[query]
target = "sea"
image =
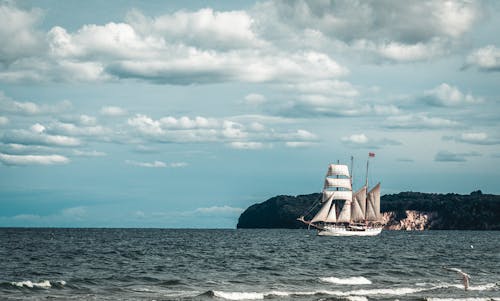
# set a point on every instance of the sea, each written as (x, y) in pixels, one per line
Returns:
(245, 264)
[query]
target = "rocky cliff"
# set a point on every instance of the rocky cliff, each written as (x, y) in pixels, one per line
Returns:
(414, 220)
(402, 211)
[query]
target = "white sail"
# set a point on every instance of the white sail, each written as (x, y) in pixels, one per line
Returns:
(338, 170)
(332, 215)
(370, 212)
(374, 196)
(337, 183)
(373, 204)
(360, 198)
(327, 196)
(345, 214)
(322, 213)
(337, 195)
(358, 205)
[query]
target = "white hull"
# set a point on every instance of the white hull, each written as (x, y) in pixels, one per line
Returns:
(346, 231)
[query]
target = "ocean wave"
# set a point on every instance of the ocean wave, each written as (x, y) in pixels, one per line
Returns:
(354, 295)
(347, 281)
(387, 291)
(42, 284)
(461, 299)
(480, 287)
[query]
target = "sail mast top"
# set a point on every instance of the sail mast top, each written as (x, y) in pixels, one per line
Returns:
(352, 169)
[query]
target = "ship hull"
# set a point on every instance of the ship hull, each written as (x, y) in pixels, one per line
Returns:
(348, 231)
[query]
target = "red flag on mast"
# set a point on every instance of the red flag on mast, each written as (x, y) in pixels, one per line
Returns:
(370, 154)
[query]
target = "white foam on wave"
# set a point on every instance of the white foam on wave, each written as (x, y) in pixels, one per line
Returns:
(460, 299)
(348, 281)
(239, 295)
(481, 287)
(356, 298)
(27, 283)
(42, 284)
(263, 295)
(387, 291)
(354, 295)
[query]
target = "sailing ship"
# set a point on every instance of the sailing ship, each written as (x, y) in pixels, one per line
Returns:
(344, 213)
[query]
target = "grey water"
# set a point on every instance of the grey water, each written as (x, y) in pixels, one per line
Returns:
(165, 264)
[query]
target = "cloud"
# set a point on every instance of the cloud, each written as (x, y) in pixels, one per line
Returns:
(155, 164)
(446, 156)
(32, 159)
(249, 132)
(220, 210)
(92, 153)
(74, 212)
(4, 120)
(402, 52)
(362, 141)
(356, 139)
(479, 138)
(187, 123)
(485, 59)
(112, 111)
(446, 95)
(341, 102)
(9, 105)
(37, 136)
(146, 125)
(189, 66)
(401, 32)
(246, 145)
(418, 121)
(18, 28)
(21, 149)
(299, 144)
(233, 130)
(178, 164)
(254, 99)
(179, 48)
(325, 87)
(63, 218)
(204, 28)
(78, 130)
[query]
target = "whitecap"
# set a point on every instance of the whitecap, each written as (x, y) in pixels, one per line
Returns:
(238, 295)
(387, 291)
(481, 287)
(459, 299)
(347, 281)
(27, 283)
(356, 298)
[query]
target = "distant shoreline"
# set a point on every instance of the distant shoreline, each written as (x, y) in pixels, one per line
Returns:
(401, 211)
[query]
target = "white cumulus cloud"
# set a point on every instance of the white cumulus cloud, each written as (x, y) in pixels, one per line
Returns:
(485, 59)
(32, 159)
(356, 139)
(447, 95)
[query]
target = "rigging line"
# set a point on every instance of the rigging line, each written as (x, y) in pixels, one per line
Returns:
(313, 207)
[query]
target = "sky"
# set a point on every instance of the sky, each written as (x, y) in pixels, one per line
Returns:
(181, 114)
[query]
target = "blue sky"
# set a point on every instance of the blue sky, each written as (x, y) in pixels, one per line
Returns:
(182, 114)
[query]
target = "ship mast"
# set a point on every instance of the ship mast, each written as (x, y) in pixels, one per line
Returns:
(352, 169)
(366, 179)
